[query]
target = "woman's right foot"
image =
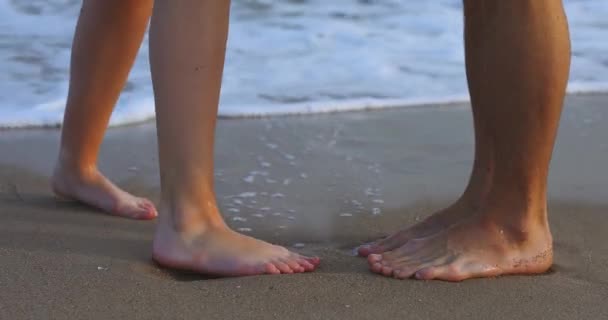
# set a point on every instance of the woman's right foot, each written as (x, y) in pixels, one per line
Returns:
(219, 251)
(92, 188)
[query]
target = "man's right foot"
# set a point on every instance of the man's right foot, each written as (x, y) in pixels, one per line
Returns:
(437, 222)
(92, 188)
(219, 251)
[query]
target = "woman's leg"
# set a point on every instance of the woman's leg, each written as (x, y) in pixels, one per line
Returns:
(187, 43)
(107, 39)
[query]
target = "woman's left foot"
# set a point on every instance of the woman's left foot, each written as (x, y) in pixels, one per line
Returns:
(94, 189)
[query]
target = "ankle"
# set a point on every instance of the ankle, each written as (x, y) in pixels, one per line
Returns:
(76, 166)
(191, 218)
(518, 225)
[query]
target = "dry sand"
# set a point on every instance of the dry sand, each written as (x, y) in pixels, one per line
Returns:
(323, 184)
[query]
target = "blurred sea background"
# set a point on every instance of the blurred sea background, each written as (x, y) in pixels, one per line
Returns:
(286, 56)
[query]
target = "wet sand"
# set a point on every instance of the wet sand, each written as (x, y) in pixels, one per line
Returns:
(319, 184)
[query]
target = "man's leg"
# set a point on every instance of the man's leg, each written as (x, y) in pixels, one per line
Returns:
(187, 47)
(518, 59)
(107, 39)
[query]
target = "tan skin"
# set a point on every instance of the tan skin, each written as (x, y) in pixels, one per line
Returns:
(517, 67)
(102, 55)
(186, 73)
(518, 59)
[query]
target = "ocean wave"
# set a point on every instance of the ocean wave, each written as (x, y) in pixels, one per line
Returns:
(286, 57)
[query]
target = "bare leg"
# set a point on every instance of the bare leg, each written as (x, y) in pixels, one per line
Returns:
(518, 60)
(467, 205)
(108, 35)
(187, 42)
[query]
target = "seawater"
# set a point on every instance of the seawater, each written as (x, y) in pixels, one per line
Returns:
(290, 56)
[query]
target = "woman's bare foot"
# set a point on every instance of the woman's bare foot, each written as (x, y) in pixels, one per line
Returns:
(435, 223)
(92, 188)
(476, 247)
(217, 250)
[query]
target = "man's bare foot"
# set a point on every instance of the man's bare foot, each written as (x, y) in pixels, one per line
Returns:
(92, 188)
(219, 251)
(435, 223)
(476, 247)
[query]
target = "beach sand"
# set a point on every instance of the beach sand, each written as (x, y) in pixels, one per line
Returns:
(323, 185)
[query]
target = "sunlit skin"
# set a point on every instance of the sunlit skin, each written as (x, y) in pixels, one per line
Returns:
(186, 73)
(106, 42)
(517, 56)
(518, 60)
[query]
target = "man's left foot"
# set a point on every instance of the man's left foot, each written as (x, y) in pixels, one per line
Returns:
(475, 247)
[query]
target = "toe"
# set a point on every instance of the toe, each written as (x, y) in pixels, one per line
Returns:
(283, 267)
(367, 249)
(306, 265)
(401, 274)
(146, 210)
(150, 207)
(293, 264)
(376, 267)
(427, 273)
(134, 209)
(374, 258)
(315, 261)
(387, 271)
(272, 269)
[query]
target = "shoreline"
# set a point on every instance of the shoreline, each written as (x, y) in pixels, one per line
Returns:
(366, 105)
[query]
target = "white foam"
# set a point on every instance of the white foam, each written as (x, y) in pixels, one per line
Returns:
(247, 195)
(288, 156)
(286, 57)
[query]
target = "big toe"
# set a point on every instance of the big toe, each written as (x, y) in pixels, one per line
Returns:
(140, 208)
(370, 248)
(149, 208)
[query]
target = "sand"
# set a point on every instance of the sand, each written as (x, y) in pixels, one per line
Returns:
(322, 184)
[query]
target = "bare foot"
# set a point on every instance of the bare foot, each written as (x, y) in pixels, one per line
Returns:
(471, 249)
(222, 252)
(93, 189)
(437, 222)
